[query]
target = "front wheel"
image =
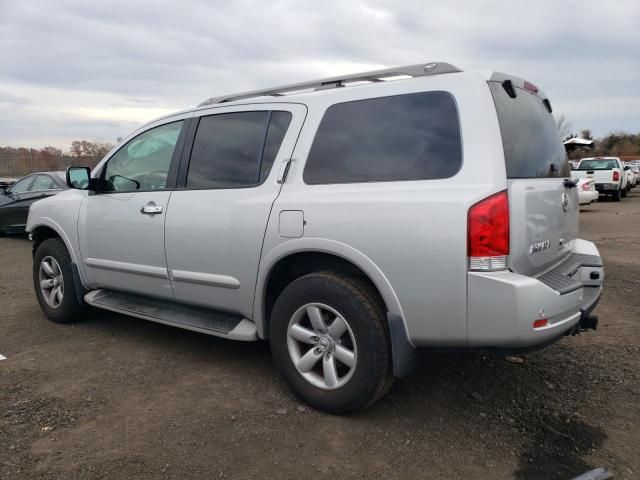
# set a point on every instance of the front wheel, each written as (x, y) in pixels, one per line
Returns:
(53, 282)
(329, 340)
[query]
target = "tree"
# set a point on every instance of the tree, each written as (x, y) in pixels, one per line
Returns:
(564, 126)
(586, 134)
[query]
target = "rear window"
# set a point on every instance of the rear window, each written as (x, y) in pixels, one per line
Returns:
(530, 136)
(404, 137)
(597, 164)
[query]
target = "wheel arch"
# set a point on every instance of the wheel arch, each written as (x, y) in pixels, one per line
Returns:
(336, 255)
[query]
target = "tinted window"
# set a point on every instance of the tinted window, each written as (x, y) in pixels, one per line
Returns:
(234, 150)
(43, 182)
(143, 162)
(278, 126)
(21, 186)
(405, 137)
(530, 136)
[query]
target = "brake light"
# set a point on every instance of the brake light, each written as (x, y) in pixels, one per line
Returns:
(488, 233)
(530, 86)
(616, 176)
(586, 186)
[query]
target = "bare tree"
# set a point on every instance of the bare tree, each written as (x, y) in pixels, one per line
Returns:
(586, 134)
(564, 126)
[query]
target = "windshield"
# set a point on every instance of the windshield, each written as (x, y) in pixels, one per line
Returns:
(530, 136)
(598, 164)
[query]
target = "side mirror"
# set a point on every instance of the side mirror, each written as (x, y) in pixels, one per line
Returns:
(627, 167)
(79, 178)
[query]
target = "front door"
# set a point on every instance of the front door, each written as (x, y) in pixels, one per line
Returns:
(121, 227)
(218, 214)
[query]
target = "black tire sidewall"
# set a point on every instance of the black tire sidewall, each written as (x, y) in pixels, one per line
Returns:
(367, 324)
(69, 309)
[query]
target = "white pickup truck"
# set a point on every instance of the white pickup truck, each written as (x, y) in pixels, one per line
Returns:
(608, 173)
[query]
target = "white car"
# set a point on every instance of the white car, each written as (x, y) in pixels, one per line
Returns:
(608, 173)
(631, 176)
(635, 168)
(587, 192)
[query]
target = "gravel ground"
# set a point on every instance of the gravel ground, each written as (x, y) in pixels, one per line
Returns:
(119, 398)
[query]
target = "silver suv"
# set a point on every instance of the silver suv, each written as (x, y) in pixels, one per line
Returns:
(349, 221)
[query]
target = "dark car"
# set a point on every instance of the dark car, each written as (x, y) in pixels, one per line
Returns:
(15, 202)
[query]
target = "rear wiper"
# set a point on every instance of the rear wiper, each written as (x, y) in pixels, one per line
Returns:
(568, 183)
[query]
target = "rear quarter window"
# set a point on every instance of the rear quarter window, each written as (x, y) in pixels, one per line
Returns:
(403, 137)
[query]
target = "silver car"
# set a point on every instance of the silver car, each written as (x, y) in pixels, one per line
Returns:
(349, 221)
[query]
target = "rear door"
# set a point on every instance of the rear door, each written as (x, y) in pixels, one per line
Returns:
(543, 211)
(217, 216)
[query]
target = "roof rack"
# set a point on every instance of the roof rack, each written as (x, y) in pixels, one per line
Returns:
(419, 70)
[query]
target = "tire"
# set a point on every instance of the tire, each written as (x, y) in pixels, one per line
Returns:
(366, 335)
(615, 196)
(63, 308)
(623, 193)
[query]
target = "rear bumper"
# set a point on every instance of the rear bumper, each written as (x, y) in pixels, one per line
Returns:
(607, 187)
(502, 306)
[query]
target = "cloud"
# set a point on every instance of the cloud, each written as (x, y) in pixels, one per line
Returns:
(123, 60)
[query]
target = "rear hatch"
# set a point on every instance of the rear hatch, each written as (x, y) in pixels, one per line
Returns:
(543, 212)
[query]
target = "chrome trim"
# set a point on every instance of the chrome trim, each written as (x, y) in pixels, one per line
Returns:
(211, 279)
(124, 267)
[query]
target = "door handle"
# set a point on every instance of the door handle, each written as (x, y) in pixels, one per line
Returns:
(151, 209)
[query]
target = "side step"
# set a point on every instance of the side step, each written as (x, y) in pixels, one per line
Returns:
(197, 319)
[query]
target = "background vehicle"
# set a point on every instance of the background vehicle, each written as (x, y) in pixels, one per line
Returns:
(631, 177)
(587, 192)
(635, 169)
(5, 183)
(608, 174)
(17, 198)
(342, 224)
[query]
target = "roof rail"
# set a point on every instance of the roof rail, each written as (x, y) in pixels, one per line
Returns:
(419, 70)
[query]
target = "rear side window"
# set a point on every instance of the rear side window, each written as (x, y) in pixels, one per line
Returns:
(530, 136)
(404, 137)
(235, 150)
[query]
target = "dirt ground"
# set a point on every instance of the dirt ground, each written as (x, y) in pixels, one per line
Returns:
(120, 398)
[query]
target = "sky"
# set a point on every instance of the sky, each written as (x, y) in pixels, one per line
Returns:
(96, 70)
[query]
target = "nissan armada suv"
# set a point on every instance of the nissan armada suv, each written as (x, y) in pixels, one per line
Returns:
(348, 221)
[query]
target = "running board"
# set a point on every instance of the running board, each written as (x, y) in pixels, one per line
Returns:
(197, 319)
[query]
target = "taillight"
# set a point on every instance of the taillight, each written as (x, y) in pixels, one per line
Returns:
(586, 186)
(616, 176)
(488, 233)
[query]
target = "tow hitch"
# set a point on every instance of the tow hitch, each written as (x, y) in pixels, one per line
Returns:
(587, 322)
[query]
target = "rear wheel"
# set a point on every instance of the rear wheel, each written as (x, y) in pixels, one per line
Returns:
(615, 196)
(623, 193)
(329, 341)
(53, 282)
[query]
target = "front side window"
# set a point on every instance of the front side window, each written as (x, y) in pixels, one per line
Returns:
(404, 137)
(43, 182)
(235, 150)
(143, 162)
(21, 186)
